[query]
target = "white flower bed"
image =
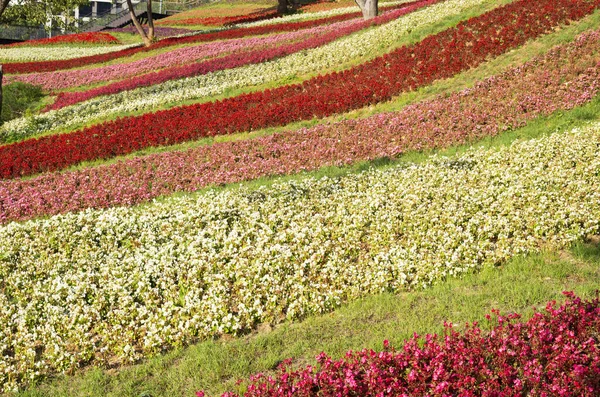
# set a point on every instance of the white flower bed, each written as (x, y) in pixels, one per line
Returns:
(55, 52)
(338, 54)
(123, 283)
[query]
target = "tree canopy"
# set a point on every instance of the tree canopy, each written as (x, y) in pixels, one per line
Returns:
(59, 13)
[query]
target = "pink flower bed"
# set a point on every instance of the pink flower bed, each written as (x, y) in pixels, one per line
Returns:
(568, 76)
(182, 56)
(555, 353)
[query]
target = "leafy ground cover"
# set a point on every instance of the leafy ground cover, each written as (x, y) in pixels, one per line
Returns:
(438, 56)
(564, 78)
(18, 99)
(116, 285)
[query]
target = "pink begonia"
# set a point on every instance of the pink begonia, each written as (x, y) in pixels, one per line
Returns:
(555, 353)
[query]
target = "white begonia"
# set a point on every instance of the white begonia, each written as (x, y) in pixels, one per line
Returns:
(55, 52)
(124, 283)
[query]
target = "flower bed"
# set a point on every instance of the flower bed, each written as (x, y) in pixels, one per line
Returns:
(159, 31)
(78, 38)
(187, 56)
(555, 353)
(313, 38)
(115, 285)
(334, 55)
(566, 77)
(437, 56)
(31, 67)
(56, 53)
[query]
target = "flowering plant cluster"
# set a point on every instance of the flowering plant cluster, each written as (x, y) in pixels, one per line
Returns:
(167, 61)
(46, 66)
(437, 56)
(567, 76)
(77, 38)
(119, 284)
(361, 45)
(555, 353)
(57, 53)
(226, 20)
(159, 31)
(269, 48)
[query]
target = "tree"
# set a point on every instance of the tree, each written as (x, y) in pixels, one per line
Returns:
(148, 37)
(285, 6)
(368, 8)
(50, 13)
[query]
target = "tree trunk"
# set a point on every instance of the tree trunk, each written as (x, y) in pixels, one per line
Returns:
(368, 8)
(3, 5)
(137, 24)
(282, 6)
(150, 22)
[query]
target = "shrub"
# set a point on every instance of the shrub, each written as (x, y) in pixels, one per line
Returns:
(17, 98)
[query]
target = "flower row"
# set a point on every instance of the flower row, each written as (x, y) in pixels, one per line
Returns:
(359, 46)
(227, 20)
(30, 67)
(58, 53)
(114, 285)
(77, 38)
(159, 31)
(555, 353)
(438, 56)
(566, 77)
(181, 56)
(316, 38)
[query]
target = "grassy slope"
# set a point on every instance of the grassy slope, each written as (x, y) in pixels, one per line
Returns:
(216, 365)
(516, 286)
(519, 285)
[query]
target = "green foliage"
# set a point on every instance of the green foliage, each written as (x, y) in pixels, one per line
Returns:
(35, 13)
(18, 98)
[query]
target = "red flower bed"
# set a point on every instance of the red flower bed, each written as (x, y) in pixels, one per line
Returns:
(46, 66)
(555, 353)
(227, 62)
(78, 38)
(438, 56)
(220, 21)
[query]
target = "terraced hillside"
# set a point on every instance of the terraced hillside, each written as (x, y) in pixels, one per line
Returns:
(268, 205)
